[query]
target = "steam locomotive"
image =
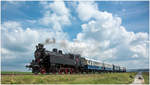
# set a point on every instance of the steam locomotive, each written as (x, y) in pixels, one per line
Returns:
(55, 61)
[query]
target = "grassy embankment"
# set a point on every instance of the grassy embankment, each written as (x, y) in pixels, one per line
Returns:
(146, 77)
(103, 78)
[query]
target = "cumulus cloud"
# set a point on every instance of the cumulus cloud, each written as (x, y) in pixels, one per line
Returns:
(88, 8)
(106, 37)
(18, 43)
(56, 15)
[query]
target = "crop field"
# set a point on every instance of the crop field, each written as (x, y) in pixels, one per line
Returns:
(146, 77)
(102, 78)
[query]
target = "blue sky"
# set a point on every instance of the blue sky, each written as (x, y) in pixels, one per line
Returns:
(34, 16)
(135, 15)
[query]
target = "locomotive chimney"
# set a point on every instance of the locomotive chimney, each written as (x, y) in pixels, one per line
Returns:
(55, 50)
(40, 46)
(60, 51)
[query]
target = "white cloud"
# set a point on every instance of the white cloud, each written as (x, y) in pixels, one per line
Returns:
(88, 8)
(107, 38)
(59, 8)
(18, 43)
(56, 15)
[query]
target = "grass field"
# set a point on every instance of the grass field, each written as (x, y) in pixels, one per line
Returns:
(11, 72)
(146, 77)
(103, 78)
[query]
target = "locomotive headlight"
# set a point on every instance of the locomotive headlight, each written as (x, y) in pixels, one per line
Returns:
(41, 60)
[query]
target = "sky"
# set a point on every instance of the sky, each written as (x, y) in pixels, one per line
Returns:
(114, 32)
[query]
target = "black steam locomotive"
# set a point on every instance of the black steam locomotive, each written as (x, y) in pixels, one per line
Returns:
(55, 61)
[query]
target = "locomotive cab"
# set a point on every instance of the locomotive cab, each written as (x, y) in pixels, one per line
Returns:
(77, 59)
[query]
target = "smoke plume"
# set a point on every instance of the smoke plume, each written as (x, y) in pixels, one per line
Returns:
(50, 41)
(67, 46)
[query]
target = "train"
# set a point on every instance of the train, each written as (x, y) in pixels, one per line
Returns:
(56, 61)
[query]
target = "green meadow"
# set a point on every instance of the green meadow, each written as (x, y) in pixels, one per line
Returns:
(102, 78)
(146, 77)
(11, 72)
